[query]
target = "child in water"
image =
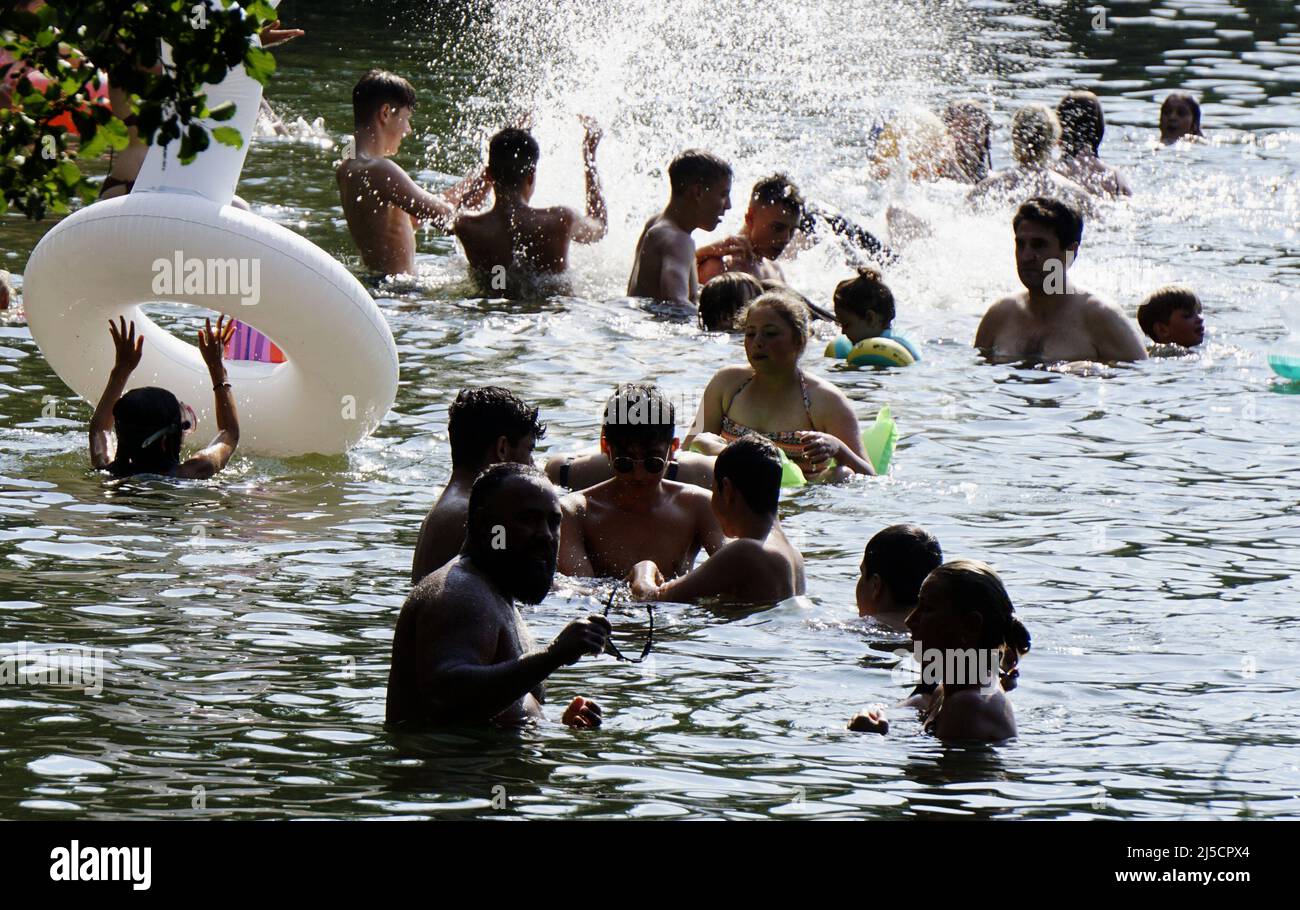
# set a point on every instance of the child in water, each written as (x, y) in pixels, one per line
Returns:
(864, 308)
(1180, 118)
(150, 423)
(964, 621)
(723, 298)
(1171, 315)
(895, 563)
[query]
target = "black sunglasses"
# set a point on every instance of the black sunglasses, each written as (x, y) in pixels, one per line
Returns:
(612, 649)
(654, 464)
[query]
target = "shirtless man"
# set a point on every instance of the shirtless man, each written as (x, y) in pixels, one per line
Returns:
(774, 214)
(485, 426)
(516, 240)
(577, 472)
(637, 515)
(383, 205)
(1052, 320)
(664, 266)
(758, 565)
(461, 651)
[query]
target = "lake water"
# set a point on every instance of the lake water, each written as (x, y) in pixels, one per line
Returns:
(1144, 521)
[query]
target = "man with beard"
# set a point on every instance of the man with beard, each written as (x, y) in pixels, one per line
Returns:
(1052, 320)
(774, 214)
(461, 651)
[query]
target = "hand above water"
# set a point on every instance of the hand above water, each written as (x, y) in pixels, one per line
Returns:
(645, 580)
(128, 348)
(819, 448)
(212, 345)
(579, 638)
(870, 720)
(591, 137)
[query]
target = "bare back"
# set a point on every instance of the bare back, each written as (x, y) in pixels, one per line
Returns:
(383, 232)
(521, 239)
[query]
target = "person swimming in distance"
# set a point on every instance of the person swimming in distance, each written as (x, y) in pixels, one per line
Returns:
(806, 416)
(150, 423)
(1034, 134)
(758, 564)
(664, 265)
(515, 241)
(1082, 127)
(894, 564)
(462, 652)
(1052, 320)
(485, 426)
(1171, 315)
(970, 128)
(864, 308)
(774, 214)
(637, 514)
(1180, 118)
(381, 203)
(724, 297)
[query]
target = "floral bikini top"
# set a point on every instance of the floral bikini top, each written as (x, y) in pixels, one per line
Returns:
(786, 440)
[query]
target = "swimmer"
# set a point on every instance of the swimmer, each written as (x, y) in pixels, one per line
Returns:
(150, 423)
(894, 564)
(724, 297)
(664, 265)
(758, 565)
(577, 472)
(485, 426)
(462, 652)
(774, 214)
(1082, 127)
(970, 128)
(514, 239)
(1171, 315)
(864, 308)
(637, 514)
(1034, 134)
(1052, 320)
(381, 202)
(1180, 118)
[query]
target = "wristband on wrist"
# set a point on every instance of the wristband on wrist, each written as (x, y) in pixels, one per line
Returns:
(221, 385)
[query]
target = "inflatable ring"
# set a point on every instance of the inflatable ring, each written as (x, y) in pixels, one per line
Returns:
(879, 352)
(108, 259)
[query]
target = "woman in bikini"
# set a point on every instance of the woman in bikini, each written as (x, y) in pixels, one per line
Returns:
(806, 417)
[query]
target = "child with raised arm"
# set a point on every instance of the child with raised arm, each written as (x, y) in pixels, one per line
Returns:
(381, 202)
(664, 267)
(758, 565)
(150, 423)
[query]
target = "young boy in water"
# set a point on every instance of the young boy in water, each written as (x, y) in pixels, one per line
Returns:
(381, 202)
(664, 265)
(637, 514)
(774, 214)
(722, 299)
(1171, 315)
(516, 240)
(758, 565)
(894, 564)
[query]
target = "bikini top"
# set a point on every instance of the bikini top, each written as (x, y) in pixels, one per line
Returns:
(784, 439)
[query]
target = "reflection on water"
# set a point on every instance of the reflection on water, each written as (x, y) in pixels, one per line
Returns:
(1144, 520)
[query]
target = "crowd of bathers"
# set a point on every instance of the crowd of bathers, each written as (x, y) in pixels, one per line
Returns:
(641, 507)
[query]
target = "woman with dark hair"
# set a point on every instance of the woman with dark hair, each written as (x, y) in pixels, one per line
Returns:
(1180, 118)
(150, 423)
(1082, 127)
(805, 416)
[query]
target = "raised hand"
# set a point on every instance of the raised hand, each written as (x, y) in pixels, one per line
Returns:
(592, 134)
(273, 34)
(581, 637)
(127, 346)
(212, 344)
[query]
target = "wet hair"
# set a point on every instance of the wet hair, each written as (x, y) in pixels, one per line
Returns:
(723, 298)
(753, 466)
(790, 307)
(903, 555)
(512, 157)
(149, 424)
(1191, 103)
(973, 586)
(377, 88)
(489, 482)
(975, 111)
(1034, 132)
(1082, 122)
(867, 293)
(1161, 304)
(695, 167)
(1063, 218)
(478, 417)
(638, 414)
(778, 189)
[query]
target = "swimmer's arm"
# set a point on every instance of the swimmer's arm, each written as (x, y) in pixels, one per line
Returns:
(441, 536)
(842, 424)
(127, 351)
(710, 533)
(393, 186)
(1116, 339)
(574, 560)
(708, 419)
(592, 227)
(676, 262)
(206, 462)
(990, 325)
(715, 577)
(709, 268)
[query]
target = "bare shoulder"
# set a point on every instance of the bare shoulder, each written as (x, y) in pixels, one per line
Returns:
(732, 375)
(574, 505)
(663, 235)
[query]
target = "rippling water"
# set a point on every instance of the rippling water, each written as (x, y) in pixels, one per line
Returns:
(1144, 520)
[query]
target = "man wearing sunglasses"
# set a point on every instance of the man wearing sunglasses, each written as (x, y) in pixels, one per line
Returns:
(637, 514)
